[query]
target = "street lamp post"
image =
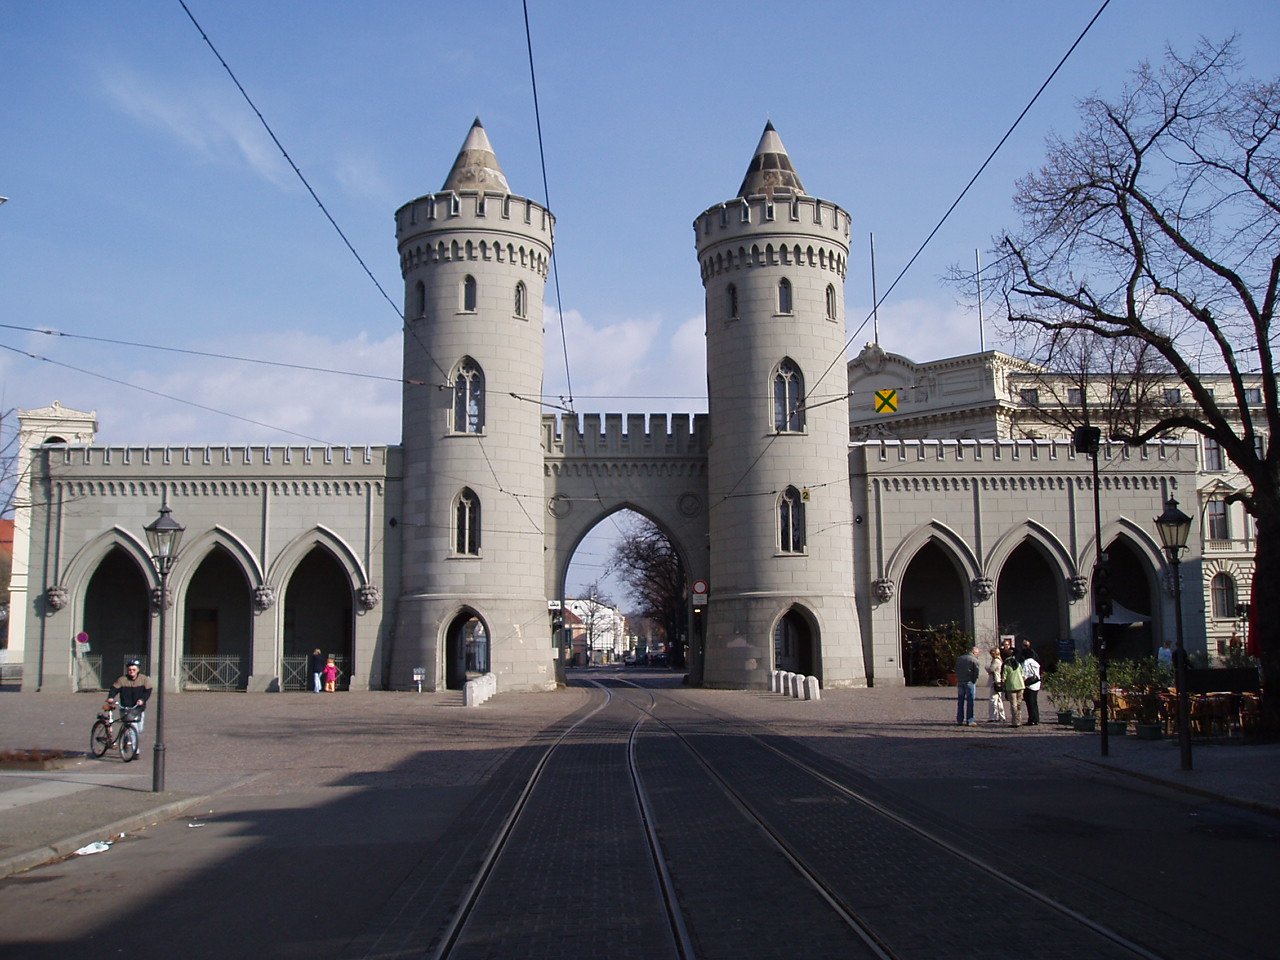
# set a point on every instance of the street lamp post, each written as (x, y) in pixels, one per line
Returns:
(1174, 527)
(1088, 440)
(164, 535)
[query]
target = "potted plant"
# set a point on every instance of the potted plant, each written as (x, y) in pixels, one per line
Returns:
(1057, 687)
(1150, 678)
(949, 642)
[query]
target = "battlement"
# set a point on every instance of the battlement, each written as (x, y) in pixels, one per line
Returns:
(1056, 455)
(763, 216)
(238, 458)
(682, 435)
(507, 229)
(760, 232)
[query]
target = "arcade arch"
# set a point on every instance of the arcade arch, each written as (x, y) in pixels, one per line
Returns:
(319, 612)
(117, 613)
(1031, 601)
(217, 636)
(934, 592)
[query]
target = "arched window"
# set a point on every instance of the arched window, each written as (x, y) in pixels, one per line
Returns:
(784, 295)
(831, 301)
(732, 291)
(469, 293)
(467, 523)
(791, 521)
(788, 392)
(522, 308)
(1222, 592)
(468, 398)
(419, 299)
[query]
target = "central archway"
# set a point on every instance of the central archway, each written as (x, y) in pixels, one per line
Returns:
(795, 647)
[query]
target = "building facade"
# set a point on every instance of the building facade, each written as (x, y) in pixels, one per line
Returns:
(441, 557)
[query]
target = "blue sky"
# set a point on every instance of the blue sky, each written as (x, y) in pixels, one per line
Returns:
(147, 203)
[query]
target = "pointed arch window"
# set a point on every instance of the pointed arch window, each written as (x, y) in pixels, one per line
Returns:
(788, 392)
(522, 305)
(791, 521)
(466, 511)
(468, 398)
(732, 292)
(831, 301)
(784, 295)
(469, 294)
(419, 299)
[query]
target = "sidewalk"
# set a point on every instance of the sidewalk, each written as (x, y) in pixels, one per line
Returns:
(223, 743)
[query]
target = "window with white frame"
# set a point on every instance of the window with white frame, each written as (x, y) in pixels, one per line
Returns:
(466, 511)
(521, 305)
(791, 521)
(831, 301)
(1222, 595)
(1253, 396)
(1075, 397)
(1029, 396)
(1212, 454)
(468, 398)
(1217, 520)
(1172, 396)
(788, 392)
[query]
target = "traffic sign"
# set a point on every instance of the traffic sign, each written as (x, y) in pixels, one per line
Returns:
(699, 590)
(886, 401)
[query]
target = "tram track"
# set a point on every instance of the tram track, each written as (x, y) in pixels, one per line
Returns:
(879, 937)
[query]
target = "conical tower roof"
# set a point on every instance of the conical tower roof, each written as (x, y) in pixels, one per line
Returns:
(477, 165)
(770, 172)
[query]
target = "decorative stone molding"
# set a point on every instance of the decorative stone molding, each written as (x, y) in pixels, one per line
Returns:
(983, 589)
(690, 504)
(57, 597)
(264, 598)
(882, 589)
(370, 596)
(155, 600)
(1077, 588)
(559, 506)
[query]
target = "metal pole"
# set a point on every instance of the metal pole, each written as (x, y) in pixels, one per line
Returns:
(1100, 636)
(157, 769)
(1180, 665)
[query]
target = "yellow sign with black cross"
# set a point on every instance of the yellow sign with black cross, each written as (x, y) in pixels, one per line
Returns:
(886, 401)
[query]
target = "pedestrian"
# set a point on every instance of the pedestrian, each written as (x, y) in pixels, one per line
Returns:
(330, 676)
(315, 666)
(1013, 688)
(967, 671)
(1165, 654)
(1025, 651)
(131, 692)
(1031, 676)
(995, 690)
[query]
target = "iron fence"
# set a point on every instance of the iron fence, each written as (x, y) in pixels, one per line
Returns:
(294, 674)
(211, 673)
(89, 672)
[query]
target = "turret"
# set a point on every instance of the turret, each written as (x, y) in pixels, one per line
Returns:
(475, 259)
(773, 263)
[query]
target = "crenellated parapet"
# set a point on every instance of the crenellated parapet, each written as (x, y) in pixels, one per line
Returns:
(1052, 453)
(203, 460)
(625, 435)
(480, 225)
(759, 231)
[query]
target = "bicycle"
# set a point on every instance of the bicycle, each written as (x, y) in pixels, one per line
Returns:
(119, 732)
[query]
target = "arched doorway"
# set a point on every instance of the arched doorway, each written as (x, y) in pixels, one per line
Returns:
(317, 614)
(933, 594)
(217, 637)
(1128, 630)
(794, 649)
(1029, 601)
(466, 650)
(117, 618)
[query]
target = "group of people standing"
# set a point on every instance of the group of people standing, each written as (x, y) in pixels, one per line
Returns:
(323, 670)
(1012, 674)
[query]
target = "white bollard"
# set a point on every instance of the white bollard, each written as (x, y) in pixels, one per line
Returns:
(775, 681)
(794, 683)
(811, 690)
(477, 691)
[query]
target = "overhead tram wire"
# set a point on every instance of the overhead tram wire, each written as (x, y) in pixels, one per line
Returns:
(546, 199)
(308, 368)
(972, 180)
(932, 233)
(165, 396)
(303, 180)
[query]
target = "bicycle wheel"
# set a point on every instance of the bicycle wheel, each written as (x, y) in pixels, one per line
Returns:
(129, 743)
(99, 739)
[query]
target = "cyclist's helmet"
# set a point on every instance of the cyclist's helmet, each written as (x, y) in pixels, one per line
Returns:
(134, 663)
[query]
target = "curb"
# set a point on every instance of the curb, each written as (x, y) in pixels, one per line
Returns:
(62, 848)
(1255, 805)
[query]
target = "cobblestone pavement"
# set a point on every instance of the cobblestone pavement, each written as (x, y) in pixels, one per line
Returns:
(438, 779)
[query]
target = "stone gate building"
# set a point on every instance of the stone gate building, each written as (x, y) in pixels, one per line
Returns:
(440, 555)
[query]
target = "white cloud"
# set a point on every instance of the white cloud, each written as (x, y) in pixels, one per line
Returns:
(217, 127)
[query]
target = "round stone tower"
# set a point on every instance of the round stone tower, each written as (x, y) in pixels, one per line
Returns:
(781, 522)
(472, 598)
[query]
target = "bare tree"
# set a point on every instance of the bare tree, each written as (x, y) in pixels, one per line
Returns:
(8, 462)
(649, 564)
(1158, 225)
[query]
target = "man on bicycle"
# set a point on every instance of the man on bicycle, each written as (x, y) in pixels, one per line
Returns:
(132, 690)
